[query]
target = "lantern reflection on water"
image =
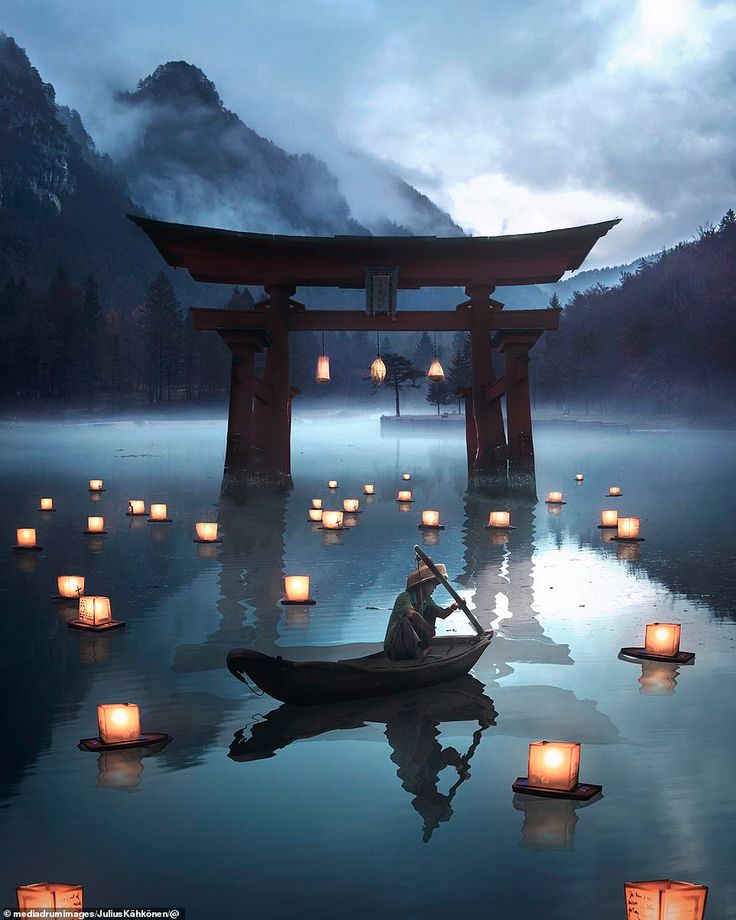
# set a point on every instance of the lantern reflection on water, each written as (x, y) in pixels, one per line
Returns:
(25, 539)
(95, 525)
(206, 532)
(53, 896)
(296, 590)
(549, 824)
(120, 769)
(658, 678)
(665, 899)
(46, 504)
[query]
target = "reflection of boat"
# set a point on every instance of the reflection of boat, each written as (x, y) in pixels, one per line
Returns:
(306, 683)
(411, 721)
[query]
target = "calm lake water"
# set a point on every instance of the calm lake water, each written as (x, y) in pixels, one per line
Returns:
(363, 810)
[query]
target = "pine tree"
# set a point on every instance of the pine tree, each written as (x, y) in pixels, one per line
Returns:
(554, 303)
(163, 329)
(438, 394)
(424, 352)
(400, 375)
(460, 375)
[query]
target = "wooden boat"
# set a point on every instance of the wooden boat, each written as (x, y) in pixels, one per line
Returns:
(307, 683)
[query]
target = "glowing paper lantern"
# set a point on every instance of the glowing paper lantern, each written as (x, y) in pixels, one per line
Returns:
(378, 370)
(406, 476)
(369, 489)
(430, 518)
(332, 520)
(206, 531)
(436, 371)
(94, 610)
(554, 765)
(614, 491)
(331, 483)
(96, 485)
(351, 505)
(47, 504)
(322, 374)
(70, 585)
(119, 723)
(25, 538)
(662, 639)
(315, 514)
(296, 589)
(159, 513)
(316, 502)
(628, 528)
(554, 498)
(404, 496)
(500, 519)
(95, 525)
(579, 477)
(136, 506)
(665, 899)
(53, 896)
(609, 518)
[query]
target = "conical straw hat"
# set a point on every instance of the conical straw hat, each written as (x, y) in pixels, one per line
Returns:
(424, 573)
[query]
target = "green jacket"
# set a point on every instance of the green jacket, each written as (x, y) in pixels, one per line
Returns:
(406, 601)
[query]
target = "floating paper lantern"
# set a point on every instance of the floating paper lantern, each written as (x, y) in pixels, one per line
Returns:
(614, 491)
(316, 502)
(296, 590)
(331, 483)
(554, 498)
(436, 371)
(159, 513)
(579, 477)
(665, 899)
(628, 528)
(53, 896)
(95, 525)
(554, 764)
(47, 504)
(404, 496)
(136, 506)
(430, 518)
(25, 539)
(369, 489)
(322, 374)
(96, 485)
(332, 520)
(662, 639)
(351, 505)
(406, 476)
(206, 532)
(94, 613)
(499, 519)
(609, 518)
(119, 723)
(71, 586)
(315, 514)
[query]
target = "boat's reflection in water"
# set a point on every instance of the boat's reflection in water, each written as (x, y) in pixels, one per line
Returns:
(412, 723)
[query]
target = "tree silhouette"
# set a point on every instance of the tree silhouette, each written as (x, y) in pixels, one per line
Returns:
(401, 374)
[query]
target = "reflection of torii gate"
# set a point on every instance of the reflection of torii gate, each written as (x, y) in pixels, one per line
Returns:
(259, 422)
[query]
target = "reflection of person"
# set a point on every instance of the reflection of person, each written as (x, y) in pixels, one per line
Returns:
(411, 624)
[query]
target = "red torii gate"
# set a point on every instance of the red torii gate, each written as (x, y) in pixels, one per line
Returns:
(259, 421)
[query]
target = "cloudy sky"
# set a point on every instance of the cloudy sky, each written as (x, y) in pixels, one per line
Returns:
(514, 115)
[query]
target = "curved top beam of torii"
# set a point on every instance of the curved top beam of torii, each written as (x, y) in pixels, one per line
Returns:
(231, 257)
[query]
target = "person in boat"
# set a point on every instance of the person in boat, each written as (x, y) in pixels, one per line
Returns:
(411, 624)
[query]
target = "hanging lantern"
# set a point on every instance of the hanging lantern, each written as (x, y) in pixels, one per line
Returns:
(431, 520)
(609, 518)
(315, 514)
(316, 502)
(69, 586)
(25, 539)
(404, 495)
(351, 505)
(52, 896)
(296, 590)
(136, 506)
(322, 374)
(553, 771)
(579, 477)
(95, 525)
(554, 498)
(96, 485)
(206, 532)
(95, 613)
(378, 370)
(435, 372)
(665, 899)
(47, 504)
(500, 520)
(331, 483)
(628, 528)
(332, 520)
(369, 489)
(614, 491)
(159, 514)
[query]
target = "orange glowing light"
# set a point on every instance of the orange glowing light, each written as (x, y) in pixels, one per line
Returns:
(25, 537)
(206, 530)
(609, 518)
(95, 525)
(315, 514)
(628, 528)
(296, 588)
(47, 504)
(554, 764)
(378, 370)
(404, 496)
(332, 520)
(665, 899)
(430, 518)
(70, 585)
(499, 519)
(614, 491)
(369, 489)
(119, 722)
(406, 476)
(322, 374)
(96, 485)
(579, 477)
(53, 896)
(554, 498)
(351, 505)
(136, 506)
(331, 483)
(436, 371)
(662, 639)
(94, 610)
(316, 502)
(159, 512)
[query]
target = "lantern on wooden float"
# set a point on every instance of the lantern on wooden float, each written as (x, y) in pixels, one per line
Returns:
(159, 514)
(25, 539)
(614, 491)
(549, 824)
(332, 520)
(554, 498)
(406, 476)
(206, 532)
(661, 643)
(378, 368)
(95, 525)
(609, 518)
(322, 373)
(53, 896)
(553, 771)
(351, 505)
(628, 529)
(331, 484)
(95, 613)
(403, 496)
(46, 504)
(436, 372)
(119, 725)
(317, 503)
(579, 477)
(499, 520)
(658, 678)
(315, 514)
(69, 587)
(296, 590)
(96, 485)
(431, 520)
(665, 899)
(369, 489)
(136, 506)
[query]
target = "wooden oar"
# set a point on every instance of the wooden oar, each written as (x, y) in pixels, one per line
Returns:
(448, 587)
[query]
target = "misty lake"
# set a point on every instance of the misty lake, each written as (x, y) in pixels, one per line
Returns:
(360, 810)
